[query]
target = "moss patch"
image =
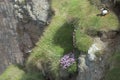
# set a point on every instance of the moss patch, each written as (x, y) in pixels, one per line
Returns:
(114, 73)
(13, 72)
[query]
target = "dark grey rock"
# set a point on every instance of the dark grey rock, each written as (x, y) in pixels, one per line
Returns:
(18, 36)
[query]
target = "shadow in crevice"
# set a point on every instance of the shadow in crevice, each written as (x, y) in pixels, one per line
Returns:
(64, 38)
(116, 9)
(64, 35)
(113, 36)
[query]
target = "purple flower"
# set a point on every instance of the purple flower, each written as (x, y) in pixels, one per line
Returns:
(66, 56)
(68, 64)
(64, 67)
(67, 60)
(72, 60)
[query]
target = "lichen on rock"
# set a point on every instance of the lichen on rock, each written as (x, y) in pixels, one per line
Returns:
(37, 10)
(95, 47)
(91, 66)
(40, 10)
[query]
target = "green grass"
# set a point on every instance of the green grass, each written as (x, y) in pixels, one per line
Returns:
(56, 42)
(57, 37)
(84, 42)
(114, 73)
(88, 20)
(13, 72)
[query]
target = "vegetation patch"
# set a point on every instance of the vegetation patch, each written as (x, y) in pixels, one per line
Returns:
(13, 72)
(114, 73)
(89, 20)
(57, 39)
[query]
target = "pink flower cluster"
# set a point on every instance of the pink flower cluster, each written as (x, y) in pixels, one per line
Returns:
(67, 60)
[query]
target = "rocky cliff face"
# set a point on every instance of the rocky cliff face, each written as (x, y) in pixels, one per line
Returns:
(21, 24)
(95, 64)
(92, 65)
